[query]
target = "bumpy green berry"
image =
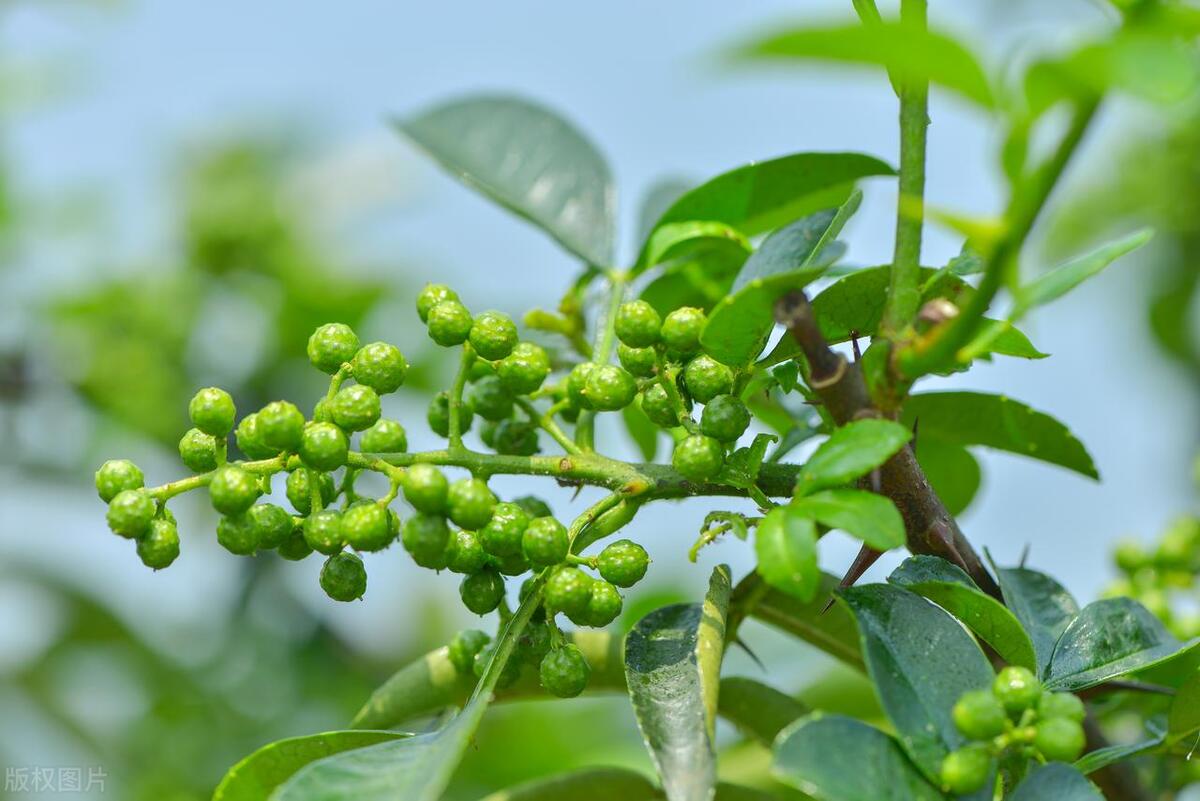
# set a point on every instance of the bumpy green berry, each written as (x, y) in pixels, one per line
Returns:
(463, 648)
(272, 524)
(198, 451)
(343, 577)
(425, 488)
(637, 324)
(577, 384)
(438, 415)
(331, 346)
(979, 715)
(502, 534)
(493, 335)
(610, 388)
(250, 439)
(281, 425)
(481, 592)
(355, 408)
(725, 418)
(386, 436)
(212, 411)
(117, 475)
(430, 296)
(426, 537)
(638, 361)
(623, 563)
(321, 412)
(323, 531)
(366, 527)
(681, 330)
(295, 547)
(130, 513)
(464, 553)
(1017, 689)
(470, 503)
(533, 506)
(237, 535)
(159, 546)
(534, 643)
(513, 565)
(449, 323)
(656, 403)
(490, 399)
(324, 446)
(706, 378)
(604, 605)
(545, 542)
(568, 590)
(1131, 556)
(516, 438)
(698, 458)
(1059, 739)
(1061, 705)
(524, 370)
(966, 770)
(299, 489)
(232, 490)
(380, 366)
(565, 671)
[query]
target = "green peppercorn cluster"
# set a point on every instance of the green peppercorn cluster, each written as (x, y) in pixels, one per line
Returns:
(1163, 578)
(1015, 718)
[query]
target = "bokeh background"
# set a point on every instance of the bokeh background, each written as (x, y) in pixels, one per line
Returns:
(187, 189)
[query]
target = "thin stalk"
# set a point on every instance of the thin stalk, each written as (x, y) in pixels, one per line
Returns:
(456, 392)
(606, 337)
(547, 424)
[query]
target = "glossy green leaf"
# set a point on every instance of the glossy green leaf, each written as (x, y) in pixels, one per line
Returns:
(921, 661)
(588, 784)
(1043, 606)
(871, 518)
(1184, 718)
(529, 160)
(832, 630)
(1065, 277)
(785, 545)
(675, 240)
(836, 758)
(908, 53)
(1057, 781)
(672, 667)
(952, 589)
(1103, 757)
(951, 470)
(1109, 639)
(702, 280)
(997, 421)
(851, 452)
(257, 776)
(758, 710)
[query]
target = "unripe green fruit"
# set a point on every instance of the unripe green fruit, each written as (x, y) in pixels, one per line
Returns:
(637, 324)
(198, 451)
(706, 378)
(250, 439)
(380, 366)
(425, 488)
(386, 436)
(464, 647)
(966, 770)
(545, 542)
(1177, 547)
(281, 425)
(295, 547)
(426, 537)
(534, 643)
(490, 399)
(979, 715)
(117, 475)
(1059, 739)
(331, 346)
(321, 412)
(725, 418)
(430, 296)
(638, 361)
(604, 606)
(524, 370)
(623, 563)
(1017, 689)
(237, 535)
(502, 534)
(343, 577)
(1061, 705)
(212, 411)
(493, 335)
(470, 503)
(366, 527)
(299, 489)
(324, 446)
(232, 490)
(610, 388)
(698, 458)
(130, 513)
(568, 590)
(681, 330)
(656, 403)
(159, 546)
(516, 438)
(355, 408)
(272, 524)
(323, 532)
(481, 592)
(577, 384)
(464, 553)
(438, 415)
(513, 565)
(449, 323)
(564, 672)
(1131, 556)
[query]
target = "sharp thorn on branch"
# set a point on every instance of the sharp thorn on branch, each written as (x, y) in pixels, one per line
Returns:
(742, 644)
(854, 345)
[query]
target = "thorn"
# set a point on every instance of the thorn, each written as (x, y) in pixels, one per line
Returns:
(854, 345)
(867, 556)
(742, 644)
(1024, 555)
(578, 490)
(916, 430)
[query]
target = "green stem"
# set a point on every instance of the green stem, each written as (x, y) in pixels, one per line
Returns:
(606, 337)
(456, 392)
(547, 424)
(589, 515)
(666, 378)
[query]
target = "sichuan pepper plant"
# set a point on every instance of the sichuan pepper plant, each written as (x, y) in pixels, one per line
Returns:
(719, 338)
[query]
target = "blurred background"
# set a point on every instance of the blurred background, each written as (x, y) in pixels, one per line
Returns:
(186, 190)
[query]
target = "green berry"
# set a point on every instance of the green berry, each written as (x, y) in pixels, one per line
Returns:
(524, 370)
(386, 436)
(380, 366)
(159, 546)
(1059, 739)
(355, 408)
(637, 324)
(1017, 689)
(480, 368)
(426, 537)
(490, 399)
(212, 411)
(979, 715)
(470, 503)
(232, 490)
(272, 524)
(513, 565)
(439, 415)
(299, 489)
(623, 563)
(493, 335)
(698, 458)
(610, 388)
(966, 770)
(117, 475)
(604, 605)
(343, 577)
(425, 488)
(545, 542)
(724, 418)
(577, 384)
(568, 590)
(295, 547)
(481, 592)
(1061, 705)
(534, 507)
(502, 534)
(681, 330)
(706, 378)
(198, 451)
(250, 439)
(1131, 556)
(130, 513)
(638, 361)
(430, 296)
(281, 425)
(656, 403)
(366, 527)
(534, 643)
(464, 553)
(449, 323)
(324, 446)
(331, 346)
(565, 671)
(516, 438)
(321, 412)
(323, 531)
(237, 535)
(464, 647)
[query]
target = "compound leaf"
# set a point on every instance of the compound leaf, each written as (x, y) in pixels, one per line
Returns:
(871, 518)
(786, 547)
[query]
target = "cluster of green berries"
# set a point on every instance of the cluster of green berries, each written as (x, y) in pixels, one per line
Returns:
(562, 668)
(1158, 576)
(1016, 716)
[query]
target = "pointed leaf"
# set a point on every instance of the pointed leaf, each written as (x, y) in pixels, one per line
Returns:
(952, 471)
(786, 547)
(529, 160)
(673, 240)
(758, 710)
(871, 518)
(1042, 605)
(1103, 757)
(701, 280)
(588, 784)
(672, 667)
(851, 452)
(1057, 781)
(832, 630)
(1062, 279)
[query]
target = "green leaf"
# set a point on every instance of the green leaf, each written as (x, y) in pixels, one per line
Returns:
(997, 421)
(832, 630)
(1065, 277)
(921, 661)
(1057, 781)
(1109, 639)
(256, 776)
(952, 589)
(672, 667)
(1184, 718)
(588, 784)
(677, 239)
(871, 518)
(785, 545)
(1043, 606)
(836, 758)
(759, 711)
(851, 451)
(643, 432)
(909, 53)
(739, 325)
(702, 280)
(529, 160)
(1103, 757)
(952, 471)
